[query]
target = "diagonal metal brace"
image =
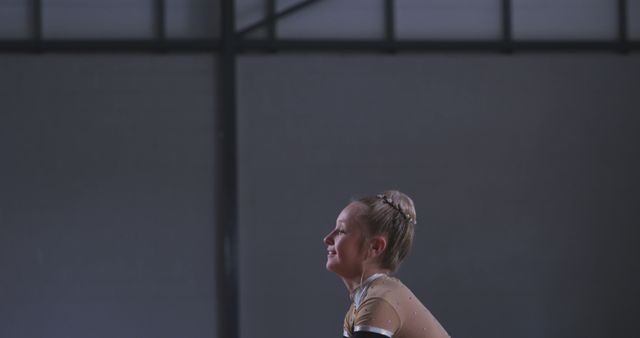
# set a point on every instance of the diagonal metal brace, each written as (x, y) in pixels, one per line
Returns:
(287, 11)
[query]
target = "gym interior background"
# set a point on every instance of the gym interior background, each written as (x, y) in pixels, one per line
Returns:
(170, 167)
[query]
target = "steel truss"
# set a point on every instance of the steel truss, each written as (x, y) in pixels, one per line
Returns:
(271, 43)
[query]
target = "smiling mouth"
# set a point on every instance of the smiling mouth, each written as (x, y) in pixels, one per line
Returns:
(331, 252)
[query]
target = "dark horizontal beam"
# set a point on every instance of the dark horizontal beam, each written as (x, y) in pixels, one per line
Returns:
(263, 45)
(142, 45)
(365, 45)
(420, 45)
(570, 45)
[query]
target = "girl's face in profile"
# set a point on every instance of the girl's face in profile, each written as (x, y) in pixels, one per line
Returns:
(345, 253)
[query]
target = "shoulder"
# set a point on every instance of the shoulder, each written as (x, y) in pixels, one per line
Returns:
(389, 289)
(397, 295)
(386, 293)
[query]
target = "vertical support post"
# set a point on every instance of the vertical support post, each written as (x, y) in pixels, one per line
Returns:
(160, 30)
(507, 27)
(160, 21)
(390, 24)
(623, 38)
(271, 24)
(226, 187)
(36, 17)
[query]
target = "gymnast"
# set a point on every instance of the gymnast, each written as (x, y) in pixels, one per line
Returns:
(372, 236)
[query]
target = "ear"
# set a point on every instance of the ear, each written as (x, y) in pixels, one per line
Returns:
(378, 245)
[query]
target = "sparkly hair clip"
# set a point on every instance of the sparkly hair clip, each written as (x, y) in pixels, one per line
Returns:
(388, 200)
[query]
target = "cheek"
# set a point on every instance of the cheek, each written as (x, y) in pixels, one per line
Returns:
(347, 248)
(340, 248)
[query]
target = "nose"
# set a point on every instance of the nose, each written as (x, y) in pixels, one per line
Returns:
(328, 239)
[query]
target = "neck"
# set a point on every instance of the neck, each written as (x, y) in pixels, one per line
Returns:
(354, 282)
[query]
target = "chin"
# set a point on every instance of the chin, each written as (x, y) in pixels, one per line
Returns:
(331, 266)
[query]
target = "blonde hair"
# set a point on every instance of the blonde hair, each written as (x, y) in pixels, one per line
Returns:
(391, 214)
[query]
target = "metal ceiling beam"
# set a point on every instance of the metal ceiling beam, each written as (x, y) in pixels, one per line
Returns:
(107, 46)
(249, 45)
(262, 45)
(389, 42)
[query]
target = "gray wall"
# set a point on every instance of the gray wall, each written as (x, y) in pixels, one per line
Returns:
(106, 196)
(523, 168)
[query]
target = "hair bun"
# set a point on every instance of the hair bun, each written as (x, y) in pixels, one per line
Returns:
(388, 200)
